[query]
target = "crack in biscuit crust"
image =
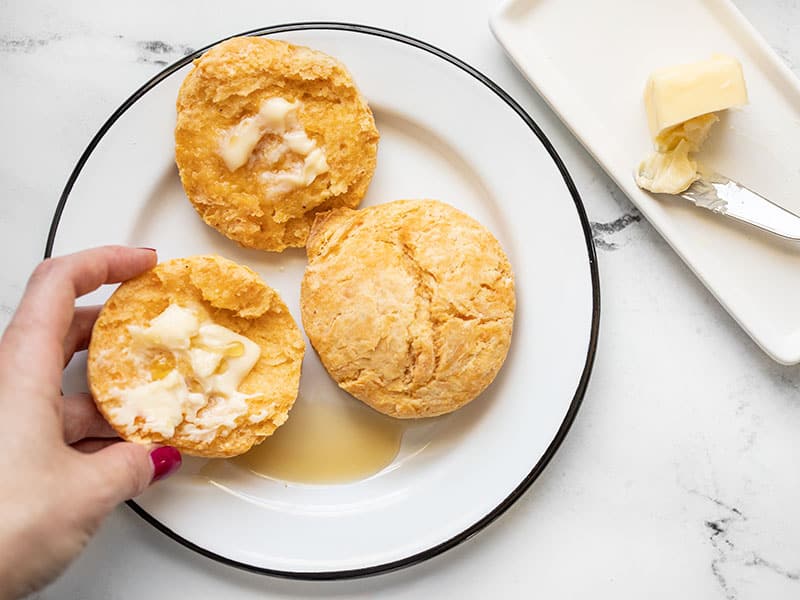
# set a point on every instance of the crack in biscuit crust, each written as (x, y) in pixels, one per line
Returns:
(410, 305)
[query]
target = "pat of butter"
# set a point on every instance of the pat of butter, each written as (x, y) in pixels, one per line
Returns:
(238, 143)
(219, 358)
(681, 102)
(670, 170)
(676, 94)
(215, 339)
(161, 404)
(692, 133)
(301, 175)
(277, 117)
(172, 328)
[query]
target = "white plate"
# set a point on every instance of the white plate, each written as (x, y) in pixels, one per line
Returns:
(590, 60)
(447, 132)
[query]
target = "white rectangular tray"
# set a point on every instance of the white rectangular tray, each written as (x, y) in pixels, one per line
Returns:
(590, 59)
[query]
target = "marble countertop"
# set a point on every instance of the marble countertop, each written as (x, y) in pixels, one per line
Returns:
(679, 478)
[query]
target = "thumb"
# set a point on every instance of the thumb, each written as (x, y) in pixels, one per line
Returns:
(127, 468)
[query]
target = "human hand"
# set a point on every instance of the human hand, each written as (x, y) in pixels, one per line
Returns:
(62, 469)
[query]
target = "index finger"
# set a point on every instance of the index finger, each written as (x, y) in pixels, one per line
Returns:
(37, 329)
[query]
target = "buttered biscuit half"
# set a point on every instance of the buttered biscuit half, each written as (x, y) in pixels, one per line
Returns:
(409, 304)
(198, 353)
(267, 135)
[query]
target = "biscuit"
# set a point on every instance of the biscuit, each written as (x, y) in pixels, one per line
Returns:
(163, 380)
(268, 134)
(409, 304)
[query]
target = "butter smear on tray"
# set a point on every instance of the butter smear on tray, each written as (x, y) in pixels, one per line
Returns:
(681, 102)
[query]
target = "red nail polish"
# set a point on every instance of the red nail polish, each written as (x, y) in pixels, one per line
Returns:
(146, 248)
(166, 460)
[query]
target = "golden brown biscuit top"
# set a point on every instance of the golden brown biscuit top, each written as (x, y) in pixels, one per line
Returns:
(409, 304)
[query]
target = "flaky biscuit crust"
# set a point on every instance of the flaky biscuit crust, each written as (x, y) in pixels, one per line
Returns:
(229, 83)
(232, 296)
(409, 304)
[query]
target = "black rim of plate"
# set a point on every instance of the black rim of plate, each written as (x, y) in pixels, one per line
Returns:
(591, 255)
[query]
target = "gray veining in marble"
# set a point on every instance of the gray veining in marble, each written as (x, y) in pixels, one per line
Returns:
(603, 233)
(26, 45)
(161, 53)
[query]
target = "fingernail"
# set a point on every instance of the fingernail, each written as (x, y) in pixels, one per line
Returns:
(146, 248)
(166, 460)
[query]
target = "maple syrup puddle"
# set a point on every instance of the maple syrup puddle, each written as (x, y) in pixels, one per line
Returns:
(326, 442)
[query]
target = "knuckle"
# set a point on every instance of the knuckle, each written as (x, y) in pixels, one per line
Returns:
(45, 268)
(121, 479)
(138, 476)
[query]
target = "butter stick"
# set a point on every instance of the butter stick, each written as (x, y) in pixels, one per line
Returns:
(679, 93)
(680, 103)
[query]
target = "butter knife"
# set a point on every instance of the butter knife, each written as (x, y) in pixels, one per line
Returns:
(726, 197)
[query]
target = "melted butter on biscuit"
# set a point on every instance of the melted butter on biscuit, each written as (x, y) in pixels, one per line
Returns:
(219, 358)
(172, 329)
(278, 118)
(162, 404)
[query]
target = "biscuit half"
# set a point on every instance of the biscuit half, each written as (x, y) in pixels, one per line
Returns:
(409, 304)
(123, 361)
(267, 135)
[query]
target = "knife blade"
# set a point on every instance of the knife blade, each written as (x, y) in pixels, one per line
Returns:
(727, 197)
